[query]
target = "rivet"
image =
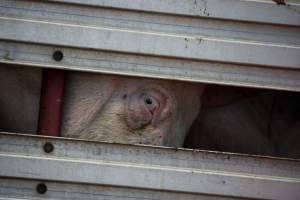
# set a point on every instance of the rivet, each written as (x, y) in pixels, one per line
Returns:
(41, 188)
(48, 147)
(58, 55)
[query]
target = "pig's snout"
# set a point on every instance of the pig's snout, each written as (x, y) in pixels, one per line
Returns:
(147, 106)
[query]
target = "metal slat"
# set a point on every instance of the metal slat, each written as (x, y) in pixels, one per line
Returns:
(149, 39)
(149, 22)
(231, 52)
(149, 177)
(26, 189)
(156, 44)
(153, 67)
(266, 11)
(141, 167)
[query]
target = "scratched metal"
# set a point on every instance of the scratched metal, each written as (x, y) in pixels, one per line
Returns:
(26, 189)
(255, 44)
(152, 67)
(267, 11)
(137, 172)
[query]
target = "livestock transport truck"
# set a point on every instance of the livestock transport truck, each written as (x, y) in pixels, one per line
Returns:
(65, 65)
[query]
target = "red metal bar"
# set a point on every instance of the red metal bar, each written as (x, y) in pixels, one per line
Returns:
(51, 102)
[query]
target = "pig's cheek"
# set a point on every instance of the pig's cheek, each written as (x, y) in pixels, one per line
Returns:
(158, 138)
(152, 138)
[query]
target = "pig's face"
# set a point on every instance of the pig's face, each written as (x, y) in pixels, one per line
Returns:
(148, 114)
(129, 110)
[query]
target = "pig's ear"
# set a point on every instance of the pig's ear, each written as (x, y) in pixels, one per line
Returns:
(147, 107)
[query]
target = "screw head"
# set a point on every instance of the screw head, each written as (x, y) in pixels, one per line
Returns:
(48, 147)
(41, 188)
(58, 55)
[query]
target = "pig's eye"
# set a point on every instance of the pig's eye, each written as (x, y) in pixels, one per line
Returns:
(146, 107)
(151, 103)
(148, 100)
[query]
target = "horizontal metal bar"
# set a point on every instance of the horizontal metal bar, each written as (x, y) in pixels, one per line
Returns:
(148, 177)
(156, 44)
(266, 11)
(153, 67)
(26, 189)
(214, 51)
(171, 24)
(164, 169)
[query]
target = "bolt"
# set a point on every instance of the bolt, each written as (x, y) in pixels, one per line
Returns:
(48, 147)
(41, 188)
(58, 55)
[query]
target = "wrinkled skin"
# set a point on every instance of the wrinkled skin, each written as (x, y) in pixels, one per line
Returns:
(103, 107)
(129, 110)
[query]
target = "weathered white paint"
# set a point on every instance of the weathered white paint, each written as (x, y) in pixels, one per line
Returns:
(248, 10)
(263, 53)
(25, 189)
(142, 167)
(226, 49)
(152, 67)
(154, 44)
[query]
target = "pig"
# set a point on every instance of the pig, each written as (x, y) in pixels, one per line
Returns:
(285, 124)
(250, 121)
(233, 122)
(103, 107)
(157, 112)
(129, 110)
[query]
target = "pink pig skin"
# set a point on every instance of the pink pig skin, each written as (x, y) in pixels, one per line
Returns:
(129, 110)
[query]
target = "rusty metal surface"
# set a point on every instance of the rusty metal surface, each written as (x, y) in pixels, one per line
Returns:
(143, 168)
